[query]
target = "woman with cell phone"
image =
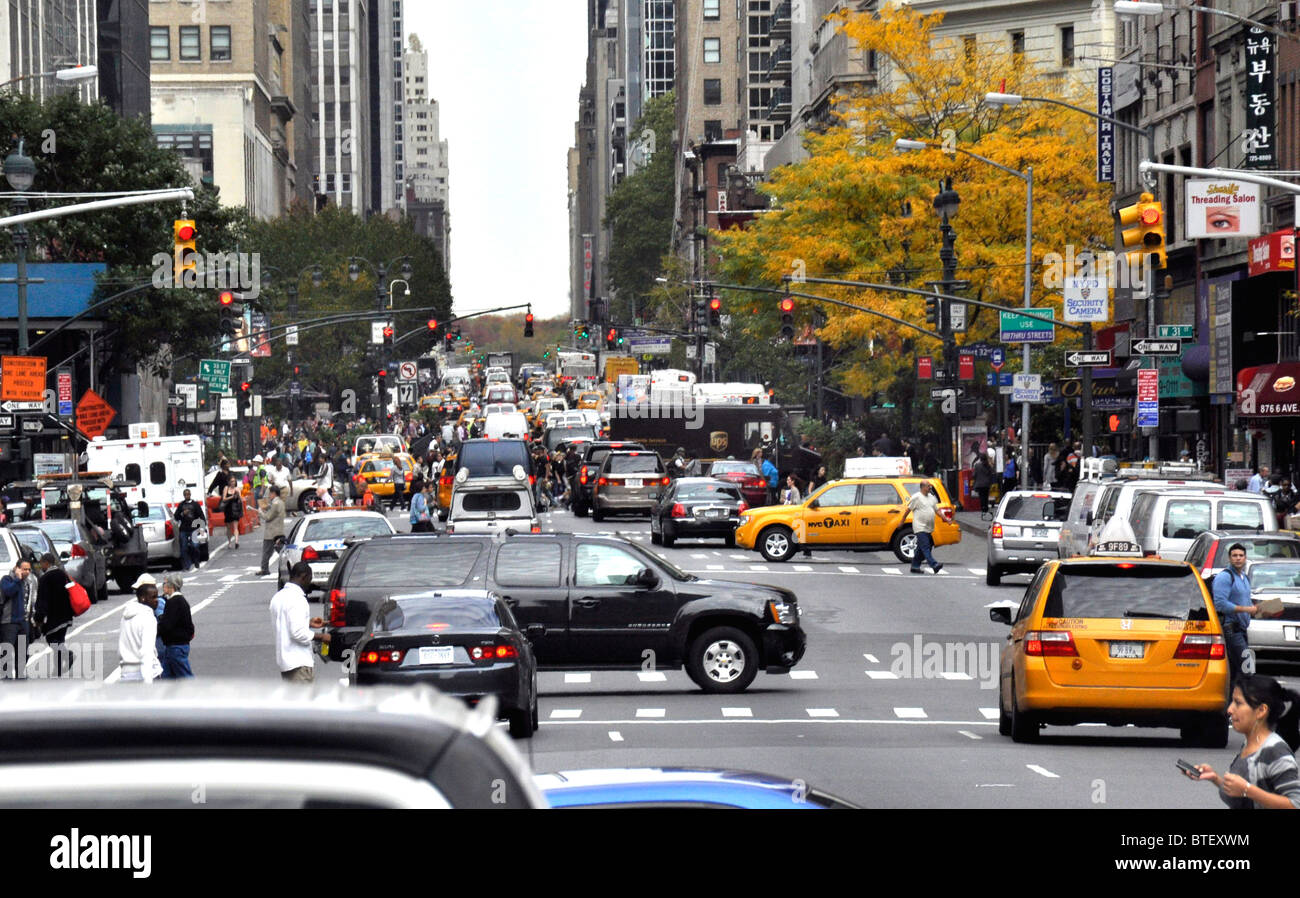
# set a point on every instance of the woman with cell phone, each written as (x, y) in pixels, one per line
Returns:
(1264, 774)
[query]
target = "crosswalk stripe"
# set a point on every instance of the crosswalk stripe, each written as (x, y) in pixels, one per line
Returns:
(848, 569)
(577, 678)
(651, 676)
(892, 570)
(882, 675)
(822, 712)
(737, 712)
(566, 714)
(910, 713)
(989, 713)
(651, 712)
(803, 674)
(803, 567)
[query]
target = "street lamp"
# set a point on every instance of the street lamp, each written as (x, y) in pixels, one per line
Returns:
(380, 272)
(73, 74)
(1143, 8)
(20, 172)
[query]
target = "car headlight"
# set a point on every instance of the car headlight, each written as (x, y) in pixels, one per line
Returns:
(783, 613)
(744, 519)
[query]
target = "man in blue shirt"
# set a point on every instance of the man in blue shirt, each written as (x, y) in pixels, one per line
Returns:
(770, 473)
(1231, 591)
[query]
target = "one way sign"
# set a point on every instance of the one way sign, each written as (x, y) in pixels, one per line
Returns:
(1097, 359)
(1158, 347)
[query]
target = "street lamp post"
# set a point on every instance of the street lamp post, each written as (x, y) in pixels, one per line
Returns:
(946, 203)
(20, 172)
(380, 272)
(75, 73)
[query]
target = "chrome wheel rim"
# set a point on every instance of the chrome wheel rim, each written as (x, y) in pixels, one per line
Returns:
(776, 544)
(724, 661)
(907, 545)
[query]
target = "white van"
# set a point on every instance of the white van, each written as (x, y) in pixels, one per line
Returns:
(164, 467)
(506, 426)
(1167, 522)
(1115, 502)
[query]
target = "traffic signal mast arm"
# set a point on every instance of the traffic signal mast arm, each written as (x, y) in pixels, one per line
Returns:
(450, 321)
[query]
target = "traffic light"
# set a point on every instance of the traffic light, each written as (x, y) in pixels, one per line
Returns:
(787, 318)
(1113, 423)
(611, 338)
(934, 312)
(433, 325)
(701, 319)
(298, 371)
(184, 255)
(228, 307)
(450, 339)
(528, 325)
(388, 335)
(458, 335)
(715, 312)
(1144, 232)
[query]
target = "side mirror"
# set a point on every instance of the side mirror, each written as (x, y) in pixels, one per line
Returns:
(64, 556)
(535, 632)
(647, 579)
(815, 503)
(1000, 615)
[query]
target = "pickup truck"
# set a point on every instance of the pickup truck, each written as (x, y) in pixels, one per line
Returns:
(587, 602)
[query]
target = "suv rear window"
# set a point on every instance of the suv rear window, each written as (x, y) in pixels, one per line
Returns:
(1185, 518)
(1241, 516)
(491, 500)
(1126, 591)
(634, 464)
(557, 435)
(709, 491)
(413, 564)
(1037, 508)
(493, 459)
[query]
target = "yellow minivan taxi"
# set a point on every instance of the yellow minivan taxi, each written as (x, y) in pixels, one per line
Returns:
(857, 514)
(1116, 641)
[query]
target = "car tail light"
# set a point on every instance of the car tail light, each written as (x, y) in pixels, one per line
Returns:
(946, 512)
(168, 530)
(384, 657)
(338, 607)
(310, 554)
(664, 481)
(1050, 644)
(602, 482)
(996, 531)
(445, 480)
(536, 528)
(679, 510)
(493, 652)
(582, 476)
(744, 506)
(77, 551)
(1201, 647)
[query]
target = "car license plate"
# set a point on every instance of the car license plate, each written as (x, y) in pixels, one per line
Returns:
(1041, 533)
(437, 654)
(632, 482)
(1127, 649)
(1291, 634)
(714, 512)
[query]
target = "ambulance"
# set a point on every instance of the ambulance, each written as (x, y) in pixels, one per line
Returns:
(157, 468)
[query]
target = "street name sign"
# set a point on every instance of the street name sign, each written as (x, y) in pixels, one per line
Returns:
(1157, 347)
(1017, 328)
(1176, 331)
(1091, 359)
(216, 374)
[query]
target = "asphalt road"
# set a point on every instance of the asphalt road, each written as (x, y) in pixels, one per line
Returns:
(862, 716)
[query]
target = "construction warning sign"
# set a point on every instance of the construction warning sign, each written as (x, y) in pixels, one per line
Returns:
(94, 414)
(22, 378)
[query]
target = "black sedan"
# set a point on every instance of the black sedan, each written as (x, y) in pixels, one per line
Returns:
(462, 642)
(697, 508)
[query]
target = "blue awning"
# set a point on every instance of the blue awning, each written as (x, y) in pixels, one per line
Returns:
(67, 290)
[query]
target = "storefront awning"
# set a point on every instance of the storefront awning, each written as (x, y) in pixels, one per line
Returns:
(1269, 391)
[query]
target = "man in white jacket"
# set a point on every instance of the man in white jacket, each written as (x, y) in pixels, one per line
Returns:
(294, 627)
(137, 640)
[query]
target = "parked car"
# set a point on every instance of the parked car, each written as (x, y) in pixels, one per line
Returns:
(319, 539)
(83, 560)
(628, 482)
(1167, 522)
(1209, 551)
(1275, 637)
(1025, 532)
(161, 536)
(463, 642)
(682, 787)
(697, 508)
(601, 602)
(36, 545)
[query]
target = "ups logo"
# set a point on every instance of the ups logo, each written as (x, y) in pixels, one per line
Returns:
(718, 441)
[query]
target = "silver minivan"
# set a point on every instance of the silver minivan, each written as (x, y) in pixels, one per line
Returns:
(1167, 522)
(1073, 536)
(1116, 499)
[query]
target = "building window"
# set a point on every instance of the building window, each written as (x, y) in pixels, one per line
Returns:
(191, 46)
(160, 43)
(397, 152)
(712, 49)
(329, 182)
(711, 11)
(397, 9)
(1018, 43)
(347, 182)
(194, 148)
(397, 133)
(397, 68)
(219, 47)
(712, 91)
(970, 47)
(397, 112)
(713, 129)
(1067, 46)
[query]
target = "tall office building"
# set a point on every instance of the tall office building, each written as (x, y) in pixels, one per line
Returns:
(645, 64)
(123, 35)
(426, 182)
(387, 101)
(46, 35)
(340, 59)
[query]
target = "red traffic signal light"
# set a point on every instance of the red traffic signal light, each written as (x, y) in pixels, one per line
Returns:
(383, 372)
(245, 387)
(433, 324)
(226, 297)
(1150, 215)
(388, 333)
(185, 232)
(529, 318)
(787, 304)
(1114, 423)
(715, 304)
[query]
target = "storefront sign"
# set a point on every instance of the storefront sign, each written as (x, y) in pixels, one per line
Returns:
(1259, 140)
(1222, 208)
(1105, 129)
(1219, 308)
(1272, 252)
(1269, 391)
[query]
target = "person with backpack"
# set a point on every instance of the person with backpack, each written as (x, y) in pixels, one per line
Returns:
(1231, 590)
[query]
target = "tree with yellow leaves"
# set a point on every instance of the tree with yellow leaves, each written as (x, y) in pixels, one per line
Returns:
(858, 209)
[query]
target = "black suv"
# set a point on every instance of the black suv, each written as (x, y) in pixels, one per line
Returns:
(590, 455)
(601, 602)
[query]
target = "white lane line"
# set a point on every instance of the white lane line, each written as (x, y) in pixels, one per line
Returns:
(848, 569)
(737, 557)
(969, 735)
(992, 713)
(955, 675)
(803, 567)
(699, 554)
(737, 712)
(803, 674)
(803, 721)
(717, 567)
(791, 571)
(893, 570)
(615, 736)
(758, 567)
(910, 713)
(577, 678)
(1042, 771)
(977, 571)
(651, 676)
(559, 714)
(822, 712)
(882, 675)
(871, 658)
(651, 712)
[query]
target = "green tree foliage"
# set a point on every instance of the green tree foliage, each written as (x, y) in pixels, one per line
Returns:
(505, 333)
(639, 213)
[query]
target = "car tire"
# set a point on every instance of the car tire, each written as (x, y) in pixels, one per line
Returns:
(597, 515)
(668, 537)
(993, 575)
(521, 723)
(1004, 719)
(656, 538)
(304, 499)
(722, 660)
(1209, 732)
(1024, 727)
(730, 540)
(903, 545)
(101, 594)
(776, 543)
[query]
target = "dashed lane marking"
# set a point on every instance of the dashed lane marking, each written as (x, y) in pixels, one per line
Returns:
(803, 674)
(848, 569)
(737, 712)
(566, 714)
(832, 717)
(882, 675)
(871, 658)
(1043, 771)
(955, 675)
(910, 713)
(615, 736)
(577, 678)
(651, 676)
(990, 713)
(699, 554)
(803, 567)
(822, 712)
(757, 567)
(651, 712)
(893, 570)
(969, 735)
(717, 567)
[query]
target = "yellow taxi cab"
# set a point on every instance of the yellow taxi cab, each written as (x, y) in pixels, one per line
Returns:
(381, 472)
(1114, 640)
(590, 400)
(855, 514)
(446, 481)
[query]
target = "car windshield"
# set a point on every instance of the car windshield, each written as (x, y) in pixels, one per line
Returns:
(1274, 576)
(732, 467)
(1037, 508)
(436, 614)
(1257, 549)
(708, 491)
(344, 528)
(1126, 590)
(634, 464)
(60, 531)
(413, 564)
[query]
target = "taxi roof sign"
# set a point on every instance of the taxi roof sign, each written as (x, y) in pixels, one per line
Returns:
(878, 466)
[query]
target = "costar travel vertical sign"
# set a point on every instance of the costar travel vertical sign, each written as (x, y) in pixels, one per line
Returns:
(1105, 130)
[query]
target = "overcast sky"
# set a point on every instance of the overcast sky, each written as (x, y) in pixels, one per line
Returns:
(506, 75)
